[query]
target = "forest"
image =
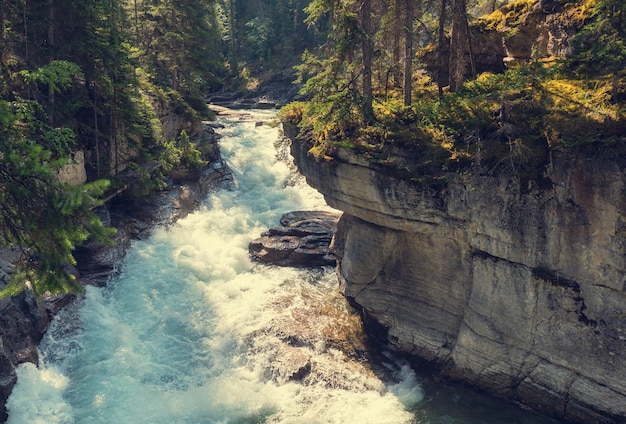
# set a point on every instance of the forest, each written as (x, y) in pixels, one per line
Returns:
(378, 76)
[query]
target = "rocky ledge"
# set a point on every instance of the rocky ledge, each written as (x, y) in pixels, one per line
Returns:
(517, 290)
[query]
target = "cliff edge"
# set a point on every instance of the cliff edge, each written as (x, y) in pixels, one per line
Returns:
(520, 291)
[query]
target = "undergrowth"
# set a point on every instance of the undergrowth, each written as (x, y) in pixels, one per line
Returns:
(507, 121)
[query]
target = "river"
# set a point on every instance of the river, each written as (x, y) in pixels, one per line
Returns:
(191, 331)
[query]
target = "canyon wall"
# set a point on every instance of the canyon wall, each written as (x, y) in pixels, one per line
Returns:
(520, 291)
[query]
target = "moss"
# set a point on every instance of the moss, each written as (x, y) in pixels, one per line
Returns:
(507, 17)
(292, 112)
(581, 112)
(496, 123)
(577, 13)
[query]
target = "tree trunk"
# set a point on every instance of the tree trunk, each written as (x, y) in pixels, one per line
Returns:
(51, 28)
(231, 32)
(440, 47)
(174, 63)
(458, 43)
(397, 29)
(25, 34)
(51, 58)
(96, 129)
(4, 44)
(397, 34)
(470, 49)
(296, 18)
(136, 23)
(408, 56)
(368, 54)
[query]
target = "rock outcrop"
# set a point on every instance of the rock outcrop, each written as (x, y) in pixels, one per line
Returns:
(517, 33)
(272, 93)
(302, 240)
(543, 30)
(74, 172)
(23, 320)
(518, 290)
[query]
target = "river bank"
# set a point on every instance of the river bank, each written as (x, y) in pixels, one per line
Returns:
(24, 318)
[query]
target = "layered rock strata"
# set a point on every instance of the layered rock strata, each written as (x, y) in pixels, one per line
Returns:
(520, 291)
(302, 240)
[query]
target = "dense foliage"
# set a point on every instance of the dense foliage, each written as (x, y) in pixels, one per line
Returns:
(43, 217)
(89, 76)
(393, 79)
(499, 121)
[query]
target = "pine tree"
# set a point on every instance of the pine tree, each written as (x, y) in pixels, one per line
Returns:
(43, 217)
(600, 47)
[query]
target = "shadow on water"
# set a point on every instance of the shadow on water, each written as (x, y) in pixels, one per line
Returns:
(443, 401)
(455, 403)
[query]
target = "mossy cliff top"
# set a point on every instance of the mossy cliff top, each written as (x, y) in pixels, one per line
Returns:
(497, 122)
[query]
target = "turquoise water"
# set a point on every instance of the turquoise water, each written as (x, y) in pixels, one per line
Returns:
(191, 331)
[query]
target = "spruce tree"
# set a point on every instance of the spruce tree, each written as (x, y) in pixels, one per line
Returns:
(42, 217)
(600, 47)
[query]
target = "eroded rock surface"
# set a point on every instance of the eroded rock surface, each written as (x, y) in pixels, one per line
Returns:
(23, 319)
(302, 240)
(517, 290)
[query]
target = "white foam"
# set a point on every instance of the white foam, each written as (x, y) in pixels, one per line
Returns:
(193, 332)
(40, 401)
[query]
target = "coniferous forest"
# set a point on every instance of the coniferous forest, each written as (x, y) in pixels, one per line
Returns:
(87, 76)
(376, 75)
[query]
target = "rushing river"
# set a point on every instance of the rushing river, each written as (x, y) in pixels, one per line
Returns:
(191, 331)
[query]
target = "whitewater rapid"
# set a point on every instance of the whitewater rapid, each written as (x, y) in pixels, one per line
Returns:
(192, 331)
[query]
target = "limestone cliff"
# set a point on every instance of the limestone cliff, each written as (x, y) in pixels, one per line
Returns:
(518, 291)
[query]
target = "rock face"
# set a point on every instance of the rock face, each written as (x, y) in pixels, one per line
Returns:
(518, 291)
(74, 173)
(172, 122)
(302, 240)
(273, 93)
(23, 319)
(543, 31)
(526, 32)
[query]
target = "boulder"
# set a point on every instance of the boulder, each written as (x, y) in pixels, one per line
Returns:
(302, 240)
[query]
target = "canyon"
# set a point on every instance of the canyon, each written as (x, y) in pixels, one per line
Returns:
(515, 288)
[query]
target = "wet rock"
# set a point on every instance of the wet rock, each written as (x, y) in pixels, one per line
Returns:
(302, 240)
(23, 319)
(265, 105)
(8, 378)
(289, 364)
(274, 93)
